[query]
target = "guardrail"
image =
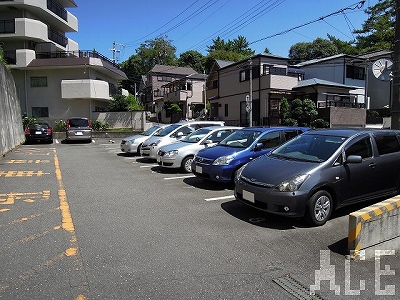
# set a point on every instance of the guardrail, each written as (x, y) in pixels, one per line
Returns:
(376, 227)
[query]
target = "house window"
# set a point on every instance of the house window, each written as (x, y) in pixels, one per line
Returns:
(354, 72)
(38, 81)
(226, 110)
(245, 74)
(214, 84)
(277, 71)
(40, 112)
(158, 93)
(164, 78)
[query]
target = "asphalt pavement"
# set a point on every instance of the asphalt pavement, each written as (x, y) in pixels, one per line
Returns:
(85, 221)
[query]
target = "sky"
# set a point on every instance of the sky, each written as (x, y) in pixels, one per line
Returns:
(194, 24)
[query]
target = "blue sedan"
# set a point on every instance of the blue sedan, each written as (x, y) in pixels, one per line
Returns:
(220, 163)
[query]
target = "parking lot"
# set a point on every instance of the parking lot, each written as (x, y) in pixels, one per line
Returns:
(85, 221)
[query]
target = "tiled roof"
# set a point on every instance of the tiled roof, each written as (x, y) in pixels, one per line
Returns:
(172, 70)
(317, 81)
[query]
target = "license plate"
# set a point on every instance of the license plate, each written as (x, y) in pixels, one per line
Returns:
(38, 132)
(78, 133)
(199, 169)
(248, 196)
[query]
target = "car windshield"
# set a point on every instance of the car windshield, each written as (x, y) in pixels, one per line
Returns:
(309, 147)
(167, 130)
(240, 138)
(151, 130)
(78, 123)
(196, 136)
(39, 125)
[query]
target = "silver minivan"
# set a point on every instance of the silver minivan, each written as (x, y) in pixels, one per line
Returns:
(78, 129)
(173, 133)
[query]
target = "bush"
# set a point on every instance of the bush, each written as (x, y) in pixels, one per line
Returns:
(99, 125)
(60, 126)
(26, 121)
(320, 123)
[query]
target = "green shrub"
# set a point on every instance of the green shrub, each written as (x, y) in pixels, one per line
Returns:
(320, 123)
(26, 121)
(60, 126)
(99, 125)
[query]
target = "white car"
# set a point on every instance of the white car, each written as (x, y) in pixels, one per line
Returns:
(180, 154)
(173, 133)
(133, 143)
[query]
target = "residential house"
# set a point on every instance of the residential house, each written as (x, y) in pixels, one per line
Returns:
(189, 93)
(54, 79)
(153, 93)
(271, 78)
(342, 69)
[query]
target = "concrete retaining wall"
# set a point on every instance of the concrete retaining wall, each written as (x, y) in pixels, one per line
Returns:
(376, 227)
(11, 129)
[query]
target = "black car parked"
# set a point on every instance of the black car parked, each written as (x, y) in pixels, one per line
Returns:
(39, 132)
(321, 170)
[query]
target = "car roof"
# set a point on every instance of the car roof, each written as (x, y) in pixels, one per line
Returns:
(348, 132)
(271, 128)
(200, 122)
(221, 127)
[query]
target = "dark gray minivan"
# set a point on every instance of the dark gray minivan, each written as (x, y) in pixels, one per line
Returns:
(321, 170)
(78, 129)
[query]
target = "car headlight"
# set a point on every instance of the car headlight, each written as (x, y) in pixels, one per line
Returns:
(223, 160)
(130, 142)
(292, 184)
(239, 172)
(171, 153)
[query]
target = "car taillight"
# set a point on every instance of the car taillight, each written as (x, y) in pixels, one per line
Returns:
(48, 130)
(67, 124)
(27, 131)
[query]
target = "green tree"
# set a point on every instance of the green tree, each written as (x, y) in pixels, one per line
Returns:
(156, 51)
(343, 46)
(2, 58)
(298, 112)
(319, 48)
(378, 31)
(193, 59)
(124, 103)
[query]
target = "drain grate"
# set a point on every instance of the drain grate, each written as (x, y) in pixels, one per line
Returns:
(295, 288)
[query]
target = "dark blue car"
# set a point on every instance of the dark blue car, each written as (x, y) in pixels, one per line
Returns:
(220, 163)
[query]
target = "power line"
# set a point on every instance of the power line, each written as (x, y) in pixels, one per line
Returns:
(357, 5)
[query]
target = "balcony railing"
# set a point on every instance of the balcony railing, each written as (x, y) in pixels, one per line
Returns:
(72, 54)
(57, 9)
(324, 104)
(57, 38)
(7, 26)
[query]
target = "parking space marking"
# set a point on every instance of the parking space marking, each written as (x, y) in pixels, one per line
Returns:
(25, 161)
(149, 166)
(179, 177)
(26, 197)
(22, 173)
(220, 198)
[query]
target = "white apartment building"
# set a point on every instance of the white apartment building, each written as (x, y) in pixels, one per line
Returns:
(55, 80)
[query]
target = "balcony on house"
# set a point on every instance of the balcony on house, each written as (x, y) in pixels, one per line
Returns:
(85, 89)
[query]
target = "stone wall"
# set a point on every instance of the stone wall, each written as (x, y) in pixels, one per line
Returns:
(11, 129)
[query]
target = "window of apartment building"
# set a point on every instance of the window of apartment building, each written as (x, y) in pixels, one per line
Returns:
(38, 81)
(164, 78)
(226, 110)
(7, 26)
(40, 112)
(355, 72)
(245, 74)
(277, 71)
(158, 93)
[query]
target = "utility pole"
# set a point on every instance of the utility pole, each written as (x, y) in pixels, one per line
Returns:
(251, 94)
(114, 50)
(395, 110)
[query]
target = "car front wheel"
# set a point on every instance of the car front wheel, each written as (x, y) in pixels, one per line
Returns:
(319, 208)
(187, 164)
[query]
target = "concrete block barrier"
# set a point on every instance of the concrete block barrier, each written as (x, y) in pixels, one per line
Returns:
(376, 227)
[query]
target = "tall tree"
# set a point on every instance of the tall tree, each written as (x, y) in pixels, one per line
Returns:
(319, 48)
(193, 59)
(157, 51)
(378, 31)
(343, 46)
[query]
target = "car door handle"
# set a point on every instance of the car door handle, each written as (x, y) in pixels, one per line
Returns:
(372, 165)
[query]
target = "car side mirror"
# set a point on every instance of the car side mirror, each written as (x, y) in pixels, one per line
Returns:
(258, 147)
(353, 159)
(207, 142)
